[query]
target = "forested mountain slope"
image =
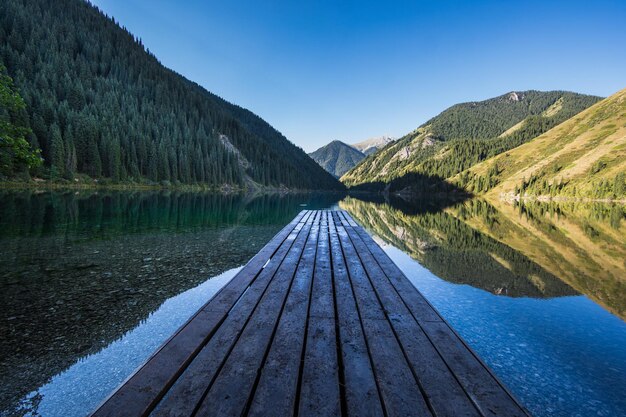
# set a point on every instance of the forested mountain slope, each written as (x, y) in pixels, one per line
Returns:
(582, 157)
(99, 103)
(337, 157)
(464, 135)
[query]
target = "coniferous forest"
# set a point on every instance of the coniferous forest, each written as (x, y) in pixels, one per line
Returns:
(98, 103)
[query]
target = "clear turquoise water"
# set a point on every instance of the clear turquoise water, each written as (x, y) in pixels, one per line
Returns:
(562, 356)
(91, 284)
(85, 384)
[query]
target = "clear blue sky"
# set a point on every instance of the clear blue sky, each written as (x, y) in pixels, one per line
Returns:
(348, 70)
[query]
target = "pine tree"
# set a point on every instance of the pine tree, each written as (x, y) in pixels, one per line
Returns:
(57, 153)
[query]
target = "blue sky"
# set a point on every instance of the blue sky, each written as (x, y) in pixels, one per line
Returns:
(348, 70)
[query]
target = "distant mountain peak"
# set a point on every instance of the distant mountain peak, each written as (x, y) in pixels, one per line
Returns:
(373, 144)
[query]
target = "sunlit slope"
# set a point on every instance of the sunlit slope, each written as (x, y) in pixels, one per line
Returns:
(583, 157)
(584, 244)
(468, 133)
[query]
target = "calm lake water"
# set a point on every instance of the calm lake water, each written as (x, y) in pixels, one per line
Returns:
(92, 283)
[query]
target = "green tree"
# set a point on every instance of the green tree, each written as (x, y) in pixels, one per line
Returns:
(122, 114)
(57, 153)
(16, 154)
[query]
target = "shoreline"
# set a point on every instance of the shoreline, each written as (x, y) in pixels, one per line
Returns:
(558, 199)
(95, 186)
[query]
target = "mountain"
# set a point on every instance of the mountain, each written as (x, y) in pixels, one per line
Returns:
(464, 135)
(372, 145)
(582, 157)
(337, 157)
(99, 103)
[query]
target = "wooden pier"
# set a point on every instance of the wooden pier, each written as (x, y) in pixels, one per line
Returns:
(320, 322)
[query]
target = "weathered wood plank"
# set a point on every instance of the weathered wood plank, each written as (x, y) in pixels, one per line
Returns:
(419, 306)
(276, 391)
(442, 391)
(399, 390)
(485, 390)
(185, 395)
(360, 390)
(140, 393)
(488, 394)
(319, 389)
(229, 394)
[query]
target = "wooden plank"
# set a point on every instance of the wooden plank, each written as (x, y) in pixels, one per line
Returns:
(322, 304)
(360, 391)
(188, 391)
(398, 388)
(229, 394)
(488, 394)
(140, 393)
(276, 391)
(319, 389)
(491, 397)
(346, 219)
(442, 391)
(222, 302)
(421, 309)
(320, 322)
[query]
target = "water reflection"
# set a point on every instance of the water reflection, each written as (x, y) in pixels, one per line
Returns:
(521, 270)
(456, 252)
(91, 283)
(80, 270)
(584, 244)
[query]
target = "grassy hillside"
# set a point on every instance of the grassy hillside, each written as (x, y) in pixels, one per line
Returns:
(582, 157)
(466, 134)
(337, 157)
(98, 103)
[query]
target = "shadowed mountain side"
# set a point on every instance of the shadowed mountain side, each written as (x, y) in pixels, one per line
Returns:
(337, 158)
(123, 252)
(584, 244)
(407, 203)
(99, 103)
(457, 253)
(414, 185)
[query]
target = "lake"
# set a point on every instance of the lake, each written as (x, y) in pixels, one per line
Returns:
(93, 282)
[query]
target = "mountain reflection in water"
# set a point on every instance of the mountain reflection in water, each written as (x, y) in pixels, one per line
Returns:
(537, 290)
(92, 282)
(522, 250)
